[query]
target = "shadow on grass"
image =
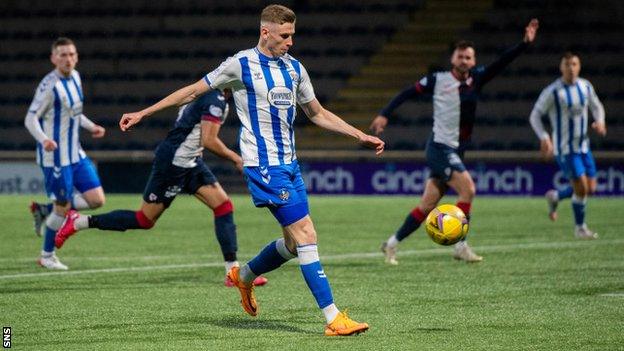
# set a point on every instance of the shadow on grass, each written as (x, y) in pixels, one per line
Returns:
(247, 324)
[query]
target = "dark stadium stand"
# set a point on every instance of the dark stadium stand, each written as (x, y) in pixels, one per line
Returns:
(358, 53)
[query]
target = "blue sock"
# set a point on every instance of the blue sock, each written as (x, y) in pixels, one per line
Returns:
(48, 240)
(314, 275)
(268, 259)
(53, 223)
(578, 206)
(225, 229)
(120, 220)
(565, 193)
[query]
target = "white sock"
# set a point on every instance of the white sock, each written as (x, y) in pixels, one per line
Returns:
(79, 202)
(82, 222)
(229, 265)
(46, 254)
(54, 221)
(330, 312)
(392, 241)
(246, 275)
(461, 244)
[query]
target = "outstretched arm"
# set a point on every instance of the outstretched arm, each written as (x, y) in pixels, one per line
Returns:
(381, 121)
(530, 31)
(178, 98)
(327, 120)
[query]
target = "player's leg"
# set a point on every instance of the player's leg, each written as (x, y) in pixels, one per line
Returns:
(583, 182)
(87, 182)
(59, 187)
(553, 196)
(465, 188)
(160, 191)
(215, 197)
(434, 190)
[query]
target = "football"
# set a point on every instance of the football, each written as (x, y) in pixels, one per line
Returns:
(446, 224)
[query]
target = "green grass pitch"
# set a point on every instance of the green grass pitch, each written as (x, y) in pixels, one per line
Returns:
(538, 288)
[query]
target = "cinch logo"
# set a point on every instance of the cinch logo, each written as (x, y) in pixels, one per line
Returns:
(281, 98)
(608, 181)
(331, 180)
(384, 181)
(515, 180)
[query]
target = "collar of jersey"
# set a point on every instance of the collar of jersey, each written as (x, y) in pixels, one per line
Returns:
(265, 56)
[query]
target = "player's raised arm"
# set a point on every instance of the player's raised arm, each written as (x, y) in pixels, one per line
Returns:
(178, 98)
(491, 70)
(327, 120)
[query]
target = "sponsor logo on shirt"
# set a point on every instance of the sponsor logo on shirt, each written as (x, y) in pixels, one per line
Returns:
(281, 97)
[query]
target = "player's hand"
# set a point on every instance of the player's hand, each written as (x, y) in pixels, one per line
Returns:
(373, 142)
(130, 119)
(531, 30)
(379, 124)
(98, 132)
(546, 149)
(49, 145)
(238, 163)
(600, 128)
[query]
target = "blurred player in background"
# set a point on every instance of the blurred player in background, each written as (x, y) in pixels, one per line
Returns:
(566, 101)
(53, 119)
(268, 84)
(454, 94)
(178, 167)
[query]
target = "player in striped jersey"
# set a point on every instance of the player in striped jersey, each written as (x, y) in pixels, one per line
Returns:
(53, 119)
(566, 102)
(179, 167)
(267, 85)
(455, 94)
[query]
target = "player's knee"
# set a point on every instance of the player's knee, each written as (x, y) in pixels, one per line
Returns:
(97, 202)
(225, 208)
(144, 221)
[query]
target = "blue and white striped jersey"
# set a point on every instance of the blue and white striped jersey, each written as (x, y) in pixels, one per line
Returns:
(266, 91)
(57, 107)
(567, 107)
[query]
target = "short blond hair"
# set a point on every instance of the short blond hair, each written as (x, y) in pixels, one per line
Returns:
(277, 14)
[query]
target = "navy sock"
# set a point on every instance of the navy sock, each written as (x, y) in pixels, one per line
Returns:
(225, 229)
(267, 260)
(118, 220)
(411, 223)
(578, 207)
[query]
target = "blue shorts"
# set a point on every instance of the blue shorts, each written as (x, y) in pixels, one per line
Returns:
(281, 189)
(166, 181)
(60, 182)
(443, 160)
(576, 165)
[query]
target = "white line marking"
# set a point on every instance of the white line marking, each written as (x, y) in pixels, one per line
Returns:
(612, 295)
(436, 251)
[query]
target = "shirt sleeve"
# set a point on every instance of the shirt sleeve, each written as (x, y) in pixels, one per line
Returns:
(423, 86)
(213, 113)
(542, 106)
(228, 72)
(305, 91)
(38, 107)
(595, 106)
(86, 123)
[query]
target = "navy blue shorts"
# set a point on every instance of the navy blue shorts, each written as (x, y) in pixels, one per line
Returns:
(443, 160)
(576, 165)
(281, 189)
(166, 181)
(61, 181)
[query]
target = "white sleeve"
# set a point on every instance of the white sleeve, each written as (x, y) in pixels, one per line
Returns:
(40, 104)
(223, 76)
(86, 123)
(305, 91)
(595, 106)
(542, 106)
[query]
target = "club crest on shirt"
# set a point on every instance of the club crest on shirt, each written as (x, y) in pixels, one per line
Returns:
(284, 195)
(281, 97)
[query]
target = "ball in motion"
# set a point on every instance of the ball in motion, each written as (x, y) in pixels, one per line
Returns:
(446, 224)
